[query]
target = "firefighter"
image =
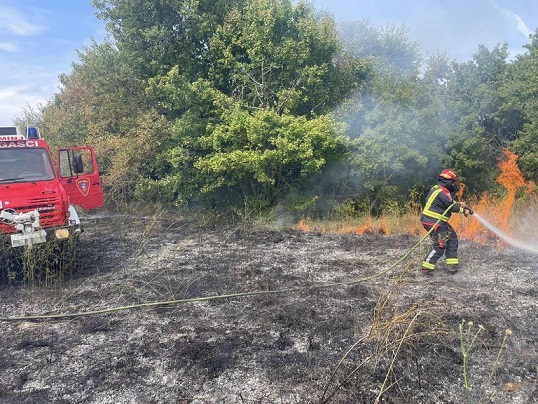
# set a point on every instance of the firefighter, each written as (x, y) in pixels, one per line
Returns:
(443, 235)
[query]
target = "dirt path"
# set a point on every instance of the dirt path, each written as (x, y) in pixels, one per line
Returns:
(270, 348)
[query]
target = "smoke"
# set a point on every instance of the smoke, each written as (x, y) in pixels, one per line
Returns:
(396, 140)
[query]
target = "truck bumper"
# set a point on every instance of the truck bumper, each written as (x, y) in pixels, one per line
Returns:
(28, 239)
(42, 236)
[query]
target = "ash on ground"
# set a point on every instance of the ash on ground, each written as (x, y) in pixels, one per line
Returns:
(327, 326)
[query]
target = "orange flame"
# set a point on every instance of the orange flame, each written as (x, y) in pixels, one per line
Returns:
(366, 226)
(304, 225)
(511, 179)
(496, 210)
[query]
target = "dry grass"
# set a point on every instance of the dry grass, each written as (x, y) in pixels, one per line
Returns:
(397, 325)
(42, 264)
(387, 224)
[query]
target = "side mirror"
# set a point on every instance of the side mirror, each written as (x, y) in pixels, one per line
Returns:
(77, 163)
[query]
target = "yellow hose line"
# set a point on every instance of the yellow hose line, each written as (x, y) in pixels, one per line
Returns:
(217, 297)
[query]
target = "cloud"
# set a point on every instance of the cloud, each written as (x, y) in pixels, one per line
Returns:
(16, 23)
(38, 42)
(26, 86)
(520, 24)
(8, 47)
(13, 100)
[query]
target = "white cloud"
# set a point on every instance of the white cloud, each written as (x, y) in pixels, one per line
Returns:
(520, 24)
(12, 102)
(26, 86)
(8, 47)
(37, 43)
(17, 23)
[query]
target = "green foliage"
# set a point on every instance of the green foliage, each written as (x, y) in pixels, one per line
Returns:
(226, 155)
(244, 104)
(155, 36)
(521, 106)
(305, 206)
(249, 132)
(346, 210)
(276, 55)
(267, 154)
(390, 46)
(479, 132)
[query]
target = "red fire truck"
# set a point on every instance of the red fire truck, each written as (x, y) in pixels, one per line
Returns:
(37, 198)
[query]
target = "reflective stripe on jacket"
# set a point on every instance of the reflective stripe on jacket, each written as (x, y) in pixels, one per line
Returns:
(437, 202)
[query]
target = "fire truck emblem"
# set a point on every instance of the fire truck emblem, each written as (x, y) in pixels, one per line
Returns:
(83, 186)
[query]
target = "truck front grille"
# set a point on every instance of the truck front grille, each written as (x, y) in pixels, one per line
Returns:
(49, 208)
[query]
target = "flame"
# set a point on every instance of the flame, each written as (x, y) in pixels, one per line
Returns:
(384, 227)
(511, 179)
(304, 225)
(497, 210)
(366, 227)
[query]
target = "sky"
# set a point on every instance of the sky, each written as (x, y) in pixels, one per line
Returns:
(456, 27)
(39, 39)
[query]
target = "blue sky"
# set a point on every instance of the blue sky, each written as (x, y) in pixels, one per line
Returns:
(453, 26)
(39, 38)
(38, 42)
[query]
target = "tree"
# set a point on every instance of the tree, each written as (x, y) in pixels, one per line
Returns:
(277, 55)
(156, 35)
(390, 46)
(222, 154)
(264, 155)
(104, 103)
(258, 125)
(398, 119)
(520, 95)
(479, 134)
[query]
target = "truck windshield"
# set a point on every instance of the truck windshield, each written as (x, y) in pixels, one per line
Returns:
(25, 164)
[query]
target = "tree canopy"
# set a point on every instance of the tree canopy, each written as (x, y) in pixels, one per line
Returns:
(225, 103)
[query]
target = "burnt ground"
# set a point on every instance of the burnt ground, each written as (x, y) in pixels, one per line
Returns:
(306, 344)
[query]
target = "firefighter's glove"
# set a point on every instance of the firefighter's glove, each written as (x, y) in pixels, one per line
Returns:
(468, 211)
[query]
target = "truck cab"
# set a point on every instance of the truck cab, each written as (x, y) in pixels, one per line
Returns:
(38, 197)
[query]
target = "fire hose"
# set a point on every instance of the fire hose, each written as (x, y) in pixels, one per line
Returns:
(63, 316)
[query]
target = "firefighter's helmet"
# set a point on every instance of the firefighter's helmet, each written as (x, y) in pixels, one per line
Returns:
(448, 174)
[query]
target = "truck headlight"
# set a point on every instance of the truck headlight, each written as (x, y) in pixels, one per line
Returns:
(61, 234)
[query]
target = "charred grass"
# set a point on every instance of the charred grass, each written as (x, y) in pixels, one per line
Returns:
(393, 339)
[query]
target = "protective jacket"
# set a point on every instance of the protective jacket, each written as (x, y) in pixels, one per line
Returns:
(437, 201)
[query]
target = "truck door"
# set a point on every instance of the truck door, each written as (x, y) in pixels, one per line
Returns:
(79, 175)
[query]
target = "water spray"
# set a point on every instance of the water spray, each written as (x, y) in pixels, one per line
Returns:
(532, 248)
